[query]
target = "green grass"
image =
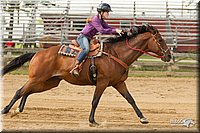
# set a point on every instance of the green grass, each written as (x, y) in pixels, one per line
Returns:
(144, 56)
(162, 74)
(20, 71)
(138, 73)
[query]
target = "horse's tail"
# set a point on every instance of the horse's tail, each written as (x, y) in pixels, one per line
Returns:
(17, 62)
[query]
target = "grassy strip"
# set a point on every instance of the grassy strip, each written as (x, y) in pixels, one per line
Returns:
(20, 71)
(144, 56)
(152, 72)
(162, 74)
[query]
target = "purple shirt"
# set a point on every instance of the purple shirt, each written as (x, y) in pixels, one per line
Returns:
(97, 25)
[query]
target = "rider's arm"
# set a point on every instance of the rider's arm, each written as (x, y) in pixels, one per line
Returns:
(102, 27)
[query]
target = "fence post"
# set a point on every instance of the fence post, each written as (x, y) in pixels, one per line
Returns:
(65, 28)
(23, 37)
(134, 14)
(168, 26)
(176, 37)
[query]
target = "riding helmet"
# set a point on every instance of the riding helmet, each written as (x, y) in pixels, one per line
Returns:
(104, 7)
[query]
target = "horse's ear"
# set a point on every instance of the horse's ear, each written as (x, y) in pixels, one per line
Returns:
(150, 28)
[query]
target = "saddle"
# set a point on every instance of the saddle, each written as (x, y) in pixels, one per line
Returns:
(94, 47)
(74, 48)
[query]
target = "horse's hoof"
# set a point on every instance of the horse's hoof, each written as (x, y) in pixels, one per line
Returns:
(15, 112)
(94, 124)
(4, 111)
(144, 120)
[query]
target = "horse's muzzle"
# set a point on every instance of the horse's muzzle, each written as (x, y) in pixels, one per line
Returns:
(167, 57)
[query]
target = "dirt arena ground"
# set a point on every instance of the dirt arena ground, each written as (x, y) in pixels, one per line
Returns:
(66, 107)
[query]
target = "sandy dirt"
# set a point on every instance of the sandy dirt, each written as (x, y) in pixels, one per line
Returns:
(66, 108)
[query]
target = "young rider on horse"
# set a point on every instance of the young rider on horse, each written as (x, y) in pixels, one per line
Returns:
(97, 24)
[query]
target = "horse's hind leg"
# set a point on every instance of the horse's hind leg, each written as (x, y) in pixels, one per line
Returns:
(12, 102)
(25, 90)
(122, 89)
(22, 103)
(29, 88)
(52, 82)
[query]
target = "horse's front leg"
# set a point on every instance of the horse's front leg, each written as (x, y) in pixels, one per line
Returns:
(100, 87)
(122, 89)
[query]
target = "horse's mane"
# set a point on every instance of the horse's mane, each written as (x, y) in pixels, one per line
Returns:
(134, 31)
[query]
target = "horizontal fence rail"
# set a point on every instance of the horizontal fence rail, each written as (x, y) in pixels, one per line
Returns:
(54, 22)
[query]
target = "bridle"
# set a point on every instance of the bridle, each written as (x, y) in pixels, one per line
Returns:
(145, 52)
(140, 50)
(159, 45)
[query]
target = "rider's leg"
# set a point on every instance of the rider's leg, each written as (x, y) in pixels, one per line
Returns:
(84, 44)
(74, 70)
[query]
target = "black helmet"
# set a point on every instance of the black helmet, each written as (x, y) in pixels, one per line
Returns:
(104, 7)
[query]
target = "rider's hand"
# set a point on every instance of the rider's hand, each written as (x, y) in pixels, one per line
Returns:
(119, 31)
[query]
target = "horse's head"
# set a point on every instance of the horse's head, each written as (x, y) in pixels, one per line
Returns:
(156, 43)
(161, 47)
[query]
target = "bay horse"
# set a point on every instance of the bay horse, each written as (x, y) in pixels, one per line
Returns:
(47, 68)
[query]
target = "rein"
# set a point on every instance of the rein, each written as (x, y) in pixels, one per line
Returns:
(140, 50)
(128, 45)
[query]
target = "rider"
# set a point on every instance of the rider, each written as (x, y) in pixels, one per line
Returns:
(97, 24)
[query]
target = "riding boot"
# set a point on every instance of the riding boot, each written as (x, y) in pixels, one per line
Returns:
(74, 70)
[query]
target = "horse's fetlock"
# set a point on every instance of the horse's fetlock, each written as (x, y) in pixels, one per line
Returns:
(91, 120)
(17, 94)
(20, 110)
(140, 115)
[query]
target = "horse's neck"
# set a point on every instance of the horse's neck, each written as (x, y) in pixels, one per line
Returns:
(128, 55)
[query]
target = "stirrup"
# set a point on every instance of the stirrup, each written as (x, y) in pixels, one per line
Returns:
(74, 71)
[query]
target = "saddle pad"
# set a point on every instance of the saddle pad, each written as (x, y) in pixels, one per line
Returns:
(67, 51)
(70, 51)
